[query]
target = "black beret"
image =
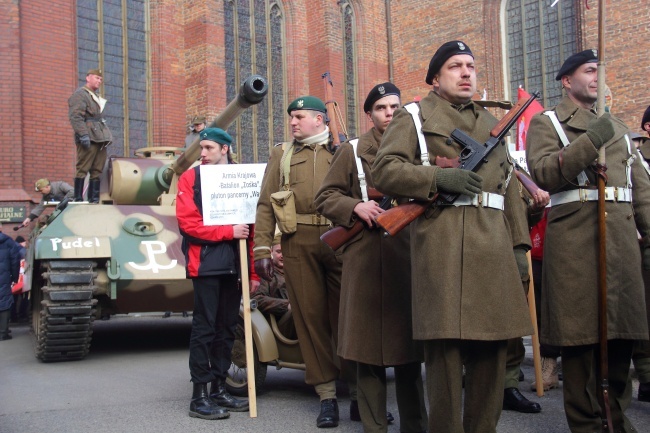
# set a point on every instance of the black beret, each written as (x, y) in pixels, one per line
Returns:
(378, 92)
(446, 50)
(307, 103)
(646, 117)
(217, 135)
(19, 239)
(570, 64)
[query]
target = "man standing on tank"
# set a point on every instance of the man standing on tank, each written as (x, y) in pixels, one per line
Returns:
(91, 134)
(211, 255)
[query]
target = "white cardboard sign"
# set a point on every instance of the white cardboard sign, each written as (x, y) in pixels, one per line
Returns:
(229, 193)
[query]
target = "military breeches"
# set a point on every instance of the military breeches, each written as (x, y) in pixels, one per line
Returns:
(91, 160)
(579, 366)
(484, 364)
(313, 276)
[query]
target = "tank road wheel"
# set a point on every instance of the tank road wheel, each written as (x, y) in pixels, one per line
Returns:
(237, 380)
(67, 309)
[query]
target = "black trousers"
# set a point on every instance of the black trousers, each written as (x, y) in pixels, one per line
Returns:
(216, 309)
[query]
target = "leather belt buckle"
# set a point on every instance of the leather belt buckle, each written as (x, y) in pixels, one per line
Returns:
(582, 194)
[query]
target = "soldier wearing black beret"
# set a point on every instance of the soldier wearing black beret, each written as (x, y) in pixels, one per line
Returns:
(458, 311)
(645, 121)
(375, 327)
(562, 148)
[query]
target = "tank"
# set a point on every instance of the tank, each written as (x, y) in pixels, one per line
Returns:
(122, 255)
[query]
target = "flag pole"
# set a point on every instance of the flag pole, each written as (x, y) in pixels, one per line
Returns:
(603, 369)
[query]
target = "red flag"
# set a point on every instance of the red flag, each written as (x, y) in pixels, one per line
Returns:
(524, 121)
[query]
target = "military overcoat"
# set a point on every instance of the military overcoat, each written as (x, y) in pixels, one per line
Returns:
(570, 274)
(466, 284)
(375, 312)
(86, 117)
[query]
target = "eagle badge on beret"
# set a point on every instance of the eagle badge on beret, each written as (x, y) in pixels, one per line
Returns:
(595, 53)
(461, 46)
(300, 103)
(381, 90)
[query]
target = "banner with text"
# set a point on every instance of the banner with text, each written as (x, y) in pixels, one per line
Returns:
(230, 193)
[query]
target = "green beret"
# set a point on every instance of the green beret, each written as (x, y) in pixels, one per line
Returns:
(578, 59)
(307, 103)
(446, 50)
(94, 72)
(41, 183)
(217, 135)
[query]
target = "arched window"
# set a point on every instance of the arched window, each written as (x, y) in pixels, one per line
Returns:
(349, 67)
(254, 41)
(539, 38)
(112, 36)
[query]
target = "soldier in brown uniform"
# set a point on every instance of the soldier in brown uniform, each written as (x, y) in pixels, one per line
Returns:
(561, 159)
(91, 134)
(312, 271)
(374, 323)
(463, 309)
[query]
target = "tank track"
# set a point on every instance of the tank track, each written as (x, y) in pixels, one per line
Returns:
(67, 310)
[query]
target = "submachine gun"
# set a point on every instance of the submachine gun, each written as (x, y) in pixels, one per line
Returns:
(471, 158)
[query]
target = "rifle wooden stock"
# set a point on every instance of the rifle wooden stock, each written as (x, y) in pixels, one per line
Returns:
(330, 103)
(338, 236)
(395, 219)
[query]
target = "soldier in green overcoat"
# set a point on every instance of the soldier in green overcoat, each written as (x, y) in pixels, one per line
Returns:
(467, 294)
(375, 315)
(561, 159)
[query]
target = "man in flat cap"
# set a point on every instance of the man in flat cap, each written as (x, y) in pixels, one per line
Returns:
(91, 134)
(211, 257)
(562, 150)
(457, 297)
(51, 191)
(198, 125)
(375, 317)
(294, 173)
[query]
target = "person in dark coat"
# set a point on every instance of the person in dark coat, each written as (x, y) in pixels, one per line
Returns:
(462, 309)
(9, 273)
(211, 257)
(562, 148)
(374, 318)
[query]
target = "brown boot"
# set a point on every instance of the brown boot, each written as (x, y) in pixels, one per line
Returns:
(549, 375)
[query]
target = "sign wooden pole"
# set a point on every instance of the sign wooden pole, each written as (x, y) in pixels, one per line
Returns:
(248, 332)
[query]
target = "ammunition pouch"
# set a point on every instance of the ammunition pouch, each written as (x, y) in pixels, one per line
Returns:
(284, 208)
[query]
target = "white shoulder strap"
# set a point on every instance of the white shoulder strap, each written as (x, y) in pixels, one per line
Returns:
(414, 111)
(360, 172)
(630, 161)
(582, 177)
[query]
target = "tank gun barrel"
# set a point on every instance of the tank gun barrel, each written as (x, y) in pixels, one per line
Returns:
(252, 91)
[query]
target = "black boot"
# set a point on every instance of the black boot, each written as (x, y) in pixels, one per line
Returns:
(644, 392)
(78, 189)
(220, 396)
(329, 414)
(93, 191)
(202, 407)
(514, 400)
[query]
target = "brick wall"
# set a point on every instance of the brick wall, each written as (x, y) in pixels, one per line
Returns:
(38, 68)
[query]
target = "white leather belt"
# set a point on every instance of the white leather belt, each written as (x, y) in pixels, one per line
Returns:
(612, 193)
(485, 199)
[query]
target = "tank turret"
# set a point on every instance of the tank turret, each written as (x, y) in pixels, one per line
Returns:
(143, 180)
(122, 255)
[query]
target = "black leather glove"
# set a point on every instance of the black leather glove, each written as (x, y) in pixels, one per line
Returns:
(84, 140)
(600, 130)
(458, 181)
(522, 263)
(646, 259)
(264, 268)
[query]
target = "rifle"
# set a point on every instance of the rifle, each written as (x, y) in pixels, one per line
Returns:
(336, 237)
(333, 113)
(471, 158)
